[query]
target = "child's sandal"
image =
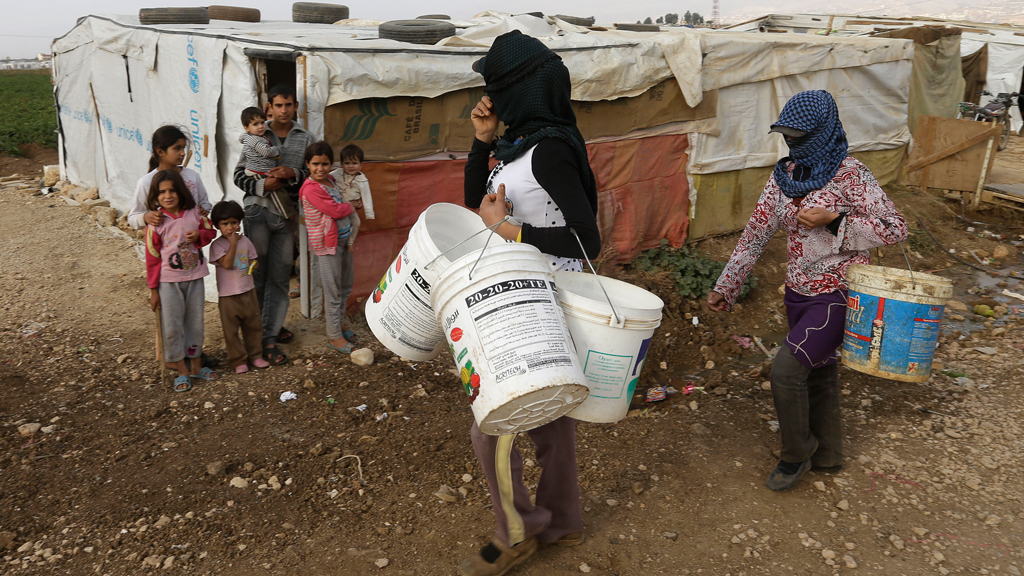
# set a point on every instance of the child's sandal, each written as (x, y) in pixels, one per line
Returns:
(206, 374)
(182, 384)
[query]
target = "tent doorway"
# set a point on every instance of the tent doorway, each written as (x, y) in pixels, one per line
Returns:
(272, 67)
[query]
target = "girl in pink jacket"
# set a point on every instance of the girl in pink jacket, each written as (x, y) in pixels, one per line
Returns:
(323, 207)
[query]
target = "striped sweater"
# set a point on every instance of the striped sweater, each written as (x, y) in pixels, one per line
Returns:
(320, 212)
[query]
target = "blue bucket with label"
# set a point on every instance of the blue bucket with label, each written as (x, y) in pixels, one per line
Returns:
(893, 319)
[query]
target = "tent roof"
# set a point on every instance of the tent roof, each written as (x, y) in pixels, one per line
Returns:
(361, 65)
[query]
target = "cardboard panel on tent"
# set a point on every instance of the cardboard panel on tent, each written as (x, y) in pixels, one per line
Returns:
(402, 128)
(724, 201)
(643, 197)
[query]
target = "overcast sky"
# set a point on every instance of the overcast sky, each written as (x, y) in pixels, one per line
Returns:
(28, 26)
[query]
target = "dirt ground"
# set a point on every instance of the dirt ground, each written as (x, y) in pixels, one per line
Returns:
(127, 477)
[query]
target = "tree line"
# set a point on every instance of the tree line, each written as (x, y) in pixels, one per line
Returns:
(672, 18)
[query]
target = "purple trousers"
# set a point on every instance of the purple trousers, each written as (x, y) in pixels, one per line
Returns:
(557, 511)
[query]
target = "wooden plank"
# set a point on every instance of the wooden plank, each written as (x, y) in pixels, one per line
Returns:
(949, 151)
(901, 23)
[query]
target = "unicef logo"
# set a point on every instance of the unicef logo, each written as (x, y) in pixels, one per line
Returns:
(193, 80)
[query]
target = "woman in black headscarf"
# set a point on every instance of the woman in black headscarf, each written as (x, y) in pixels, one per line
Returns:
(544, 182)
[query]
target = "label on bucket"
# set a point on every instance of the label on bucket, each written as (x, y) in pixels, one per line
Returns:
(890, 335)
(608, 374)
(408, 317)
(520, 324)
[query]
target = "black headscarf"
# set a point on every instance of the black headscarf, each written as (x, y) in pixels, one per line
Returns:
(820, 152)
(530, 88)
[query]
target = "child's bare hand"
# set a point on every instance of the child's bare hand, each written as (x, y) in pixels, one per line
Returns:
(233, 238)
(356, 204)
(154, 300)
(203, 212)
(153, 218)
(192, 236)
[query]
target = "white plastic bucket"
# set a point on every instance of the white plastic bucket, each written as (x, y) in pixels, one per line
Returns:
(398, 311)
(893, 320)
(611, 350)
(509, 339)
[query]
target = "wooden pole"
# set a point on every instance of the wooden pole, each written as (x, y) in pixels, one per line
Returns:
(160, 347)
(976, 201)
(830, 20)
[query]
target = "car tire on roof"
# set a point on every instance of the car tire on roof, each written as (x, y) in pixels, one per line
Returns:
(234, 13)
(434, 17)
(638, 27)
(576, 20)
(174, 16)
(318, 12)
(416, 31)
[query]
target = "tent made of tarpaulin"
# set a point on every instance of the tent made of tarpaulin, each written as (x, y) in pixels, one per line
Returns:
(665, 114)
(1004, 42)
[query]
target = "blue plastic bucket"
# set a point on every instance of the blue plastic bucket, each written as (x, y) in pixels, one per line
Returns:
(893, 321)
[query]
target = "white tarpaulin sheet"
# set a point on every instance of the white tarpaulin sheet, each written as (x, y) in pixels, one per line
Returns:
(872, 103)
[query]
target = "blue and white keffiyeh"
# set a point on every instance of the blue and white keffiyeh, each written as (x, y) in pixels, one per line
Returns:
(821, 150)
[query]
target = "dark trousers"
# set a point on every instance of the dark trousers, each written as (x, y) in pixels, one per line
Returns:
(807, 403)
(557, 512)
(272, 236)
(241, 312)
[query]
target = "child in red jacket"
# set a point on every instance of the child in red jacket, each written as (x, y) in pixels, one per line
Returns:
(323, 207)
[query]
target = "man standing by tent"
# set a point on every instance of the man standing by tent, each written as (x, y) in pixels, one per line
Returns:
(270, 216)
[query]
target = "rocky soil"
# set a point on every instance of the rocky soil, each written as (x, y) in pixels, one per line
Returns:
(122, 476)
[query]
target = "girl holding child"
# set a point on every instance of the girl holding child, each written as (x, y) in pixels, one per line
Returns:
(175, 268)
(329, 227)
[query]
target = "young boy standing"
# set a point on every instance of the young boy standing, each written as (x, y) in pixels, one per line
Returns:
(235, 257)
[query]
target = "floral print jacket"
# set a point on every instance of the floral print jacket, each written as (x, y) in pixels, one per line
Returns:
(818, 257)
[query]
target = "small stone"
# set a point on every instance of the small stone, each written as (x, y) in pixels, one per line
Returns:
(993, 520)
(28, 430)
(309, 384)
(153, 561)
(239, 482)
(638, 488)
(168, 562)
(850, 562)
(467, 478)
(584, 568)
(7, 539)
(735, 540)
(670, 535)
(90, 194)
(896, 541)
(863, 459)
(163, 521)
(952, 433)
(956, 305)
(843, 505)
(766, 385)
(362, 357)
(709, 365)
(382, 562)
(663, 365)
(445, 494)
(611, 502)
(1001, 252)
(694, 405)
(920, 531)
(698, 428)
(987, 350)
(122, 358)
(828, 554)
(939, 557)
(849, 545)
(105, 216)
(51, 175)
(820, 486)
(973, 483)
(216, 468)
(208, 405)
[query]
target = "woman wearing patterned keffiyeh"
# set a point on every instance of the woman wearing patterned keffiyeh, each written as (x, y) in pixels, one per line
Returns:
(544, 181)
(833, 211)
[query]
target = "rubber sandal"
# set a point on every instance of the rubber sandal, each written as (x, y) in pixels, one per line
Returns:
(182, 381)
(351, 336)
(285, 339)
(206, 374)
(294, 293)
(270, 353)
(347, 349)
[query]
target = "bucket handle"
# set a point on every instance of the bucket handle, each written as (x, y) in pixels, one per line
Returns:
(905, 257)
(492, 228)
(615, 316)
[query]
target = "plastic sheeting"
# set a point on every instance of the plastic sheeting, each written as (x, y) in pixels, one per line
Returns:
(937, 81)
(872, 103)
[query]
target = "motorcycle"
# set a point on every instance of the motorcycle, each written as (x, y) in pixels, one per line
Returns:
(997, 111)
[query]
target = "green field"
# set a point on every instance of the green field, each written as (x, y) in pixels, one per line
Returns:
(30, 116)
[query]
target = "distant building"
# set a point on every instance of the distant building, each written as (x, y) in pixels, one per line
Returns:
(37, 63)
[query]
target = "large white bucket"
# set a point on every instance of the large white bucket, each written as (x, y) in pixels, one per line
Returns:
(509, 339)
(399, 311)
(612, 350)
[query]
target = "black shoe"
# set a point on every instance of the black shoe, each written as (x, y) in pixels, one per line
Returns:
(786, 475)
(827, 469)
